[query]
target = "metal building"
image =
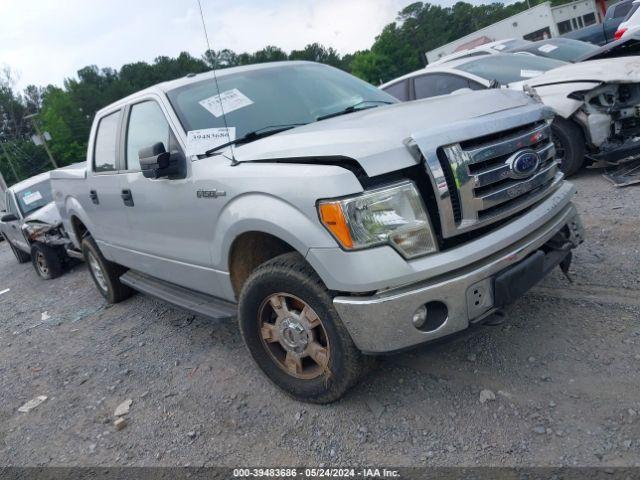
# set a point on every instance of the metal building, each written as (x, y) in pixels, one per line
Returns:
(536, 23)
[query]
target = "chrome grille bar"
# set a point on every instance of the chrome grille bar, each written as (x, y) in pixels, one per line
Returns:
(516, 190)
(501, 172)
(506, 147)
(486, 181)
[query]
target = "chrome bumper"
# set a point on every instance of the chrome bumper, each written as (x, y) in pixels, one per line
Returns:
(383, 322)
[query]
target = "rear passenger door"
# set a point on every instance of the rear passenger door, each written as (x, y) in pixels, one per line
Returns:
(103, 201)
(434, 84)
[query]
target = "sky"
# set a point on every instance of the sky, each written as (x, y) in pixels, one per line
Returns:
(45, 41)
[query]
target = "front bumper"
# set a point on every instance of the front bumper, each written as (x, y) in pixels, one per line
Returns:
(382, 322)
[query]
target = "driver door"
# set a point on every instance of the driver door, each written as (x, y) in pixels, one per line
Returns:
(12, 229)
(171, 231)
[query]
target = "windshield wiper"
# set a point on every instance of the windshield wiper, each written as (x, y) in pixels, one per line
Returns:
(255, 135)
(353, 108)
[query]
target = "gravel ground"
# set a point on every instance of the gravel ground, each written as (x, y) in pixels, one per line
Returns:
(555, 384)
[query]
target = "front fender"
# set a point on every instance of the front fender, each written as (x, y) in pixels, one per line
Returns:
(556, 96)
(260, 212)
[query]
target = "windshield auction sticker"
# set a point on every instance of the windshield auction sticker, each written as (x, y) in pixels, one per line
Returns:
(199, 141)
(30, 197)
(530, 73)
(226, 102)
(547, 48)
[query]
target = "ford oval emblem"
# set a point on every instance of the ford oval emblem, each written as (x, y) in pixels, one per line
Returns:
(523, 164)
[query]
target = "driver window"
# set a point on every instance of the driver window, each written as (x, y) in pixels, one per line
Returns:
(438, 84)
(147, 125)
(11, 205)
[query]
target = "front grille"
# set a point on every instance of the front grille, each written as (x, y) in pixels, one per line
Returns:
(456, 206)
(483, 186)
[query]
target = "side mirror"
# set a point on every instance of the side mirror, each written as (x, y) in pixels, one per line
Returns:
(9, 217)
(156, 162)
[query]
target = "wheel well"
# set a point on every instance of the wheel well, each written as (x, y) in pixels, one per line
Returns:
(79, 228)
(249, 251)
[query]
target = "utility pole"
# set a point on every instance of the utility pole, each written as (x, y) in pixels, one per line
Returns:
(44, 140)
(13, 169)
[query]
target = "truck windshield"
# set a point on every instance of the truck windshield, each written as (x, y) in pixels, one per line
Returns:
(275, 95)
(34, 197)
(509, 67)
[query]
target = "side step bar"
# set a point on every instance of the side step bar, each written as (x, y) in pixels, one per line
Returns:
(194, 302)
(74, 253)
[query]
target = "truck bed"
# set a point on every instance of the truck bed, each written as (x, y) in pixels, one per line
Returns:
(76, 171)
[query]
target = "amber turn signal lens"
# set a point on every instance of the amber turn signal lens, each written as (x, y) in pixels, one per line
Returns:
(333, 218)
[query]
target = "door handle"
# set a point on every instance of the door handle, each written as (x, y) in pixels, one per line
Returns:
(127, 198)
(93, 195)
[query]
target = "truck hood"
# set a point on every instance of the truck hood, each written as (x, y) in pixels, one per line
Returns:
(621, 69)
(377, 138)
(47, 214)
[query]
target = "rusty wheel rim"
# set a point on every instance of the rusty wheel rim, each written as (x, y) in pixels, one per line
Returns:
(294, 336)
(41, 263)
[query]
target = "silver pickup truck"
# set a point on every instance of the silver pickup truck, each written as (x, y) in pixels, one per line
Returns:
(335, 223)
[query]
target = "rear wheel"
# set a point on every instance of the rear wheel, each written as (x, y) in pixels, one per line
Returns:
(569, 142)
(294, 334)
(105, 274)
(22, 257)
(46, 260)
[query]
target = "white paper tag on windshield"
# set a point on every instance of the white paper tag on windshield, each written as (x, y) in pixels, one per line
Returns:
(228, 101)
(199, 141)
(499, 47)
(31, 197)
(547, 48)
(530, 73)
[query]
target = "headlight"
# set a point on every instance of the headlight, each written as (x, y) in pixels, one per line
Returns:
(392, 215)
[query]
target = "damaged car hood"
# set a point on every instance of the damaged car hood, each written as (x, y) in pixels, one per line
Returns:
(622, 69)
(48, 215)
(377, 138)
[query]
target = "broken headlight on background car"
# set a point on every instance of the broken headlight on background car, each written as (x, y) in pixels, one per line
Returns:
(394, 215)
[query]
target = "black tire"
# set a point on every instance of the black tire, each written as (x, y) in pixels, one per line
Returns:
(105, 274)
(22, 257)
(47, 261)
(291, 276)
(570, 145)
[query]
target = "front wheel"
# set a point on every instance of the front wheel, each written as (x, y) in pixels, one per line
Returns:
(294, 334)
(46, 261)
(569, 141)
(105, 274)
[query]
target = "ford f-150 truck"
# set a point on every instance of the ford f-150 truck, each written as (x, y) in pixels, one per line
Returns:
(334, 222)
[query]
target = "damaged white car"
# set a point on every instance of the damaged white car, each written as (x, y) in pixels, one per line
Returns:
(32, 227)
(597, 103)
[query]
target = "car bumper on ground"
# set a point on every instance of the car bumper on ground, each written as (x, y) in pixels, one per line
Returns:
(384, 322)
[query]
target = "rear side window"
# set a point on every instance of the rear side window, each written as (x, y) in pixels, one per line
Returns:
(104, 153)
(147, 126)
(622, 10)
(399, 90)
(632, 11)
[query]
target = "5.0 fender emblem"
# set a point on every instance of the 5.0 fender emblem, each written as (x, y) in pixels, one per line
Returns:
(210, 193)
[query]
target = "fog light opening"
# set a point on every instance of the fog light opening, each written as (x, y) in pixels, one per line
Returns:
(430, 317)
